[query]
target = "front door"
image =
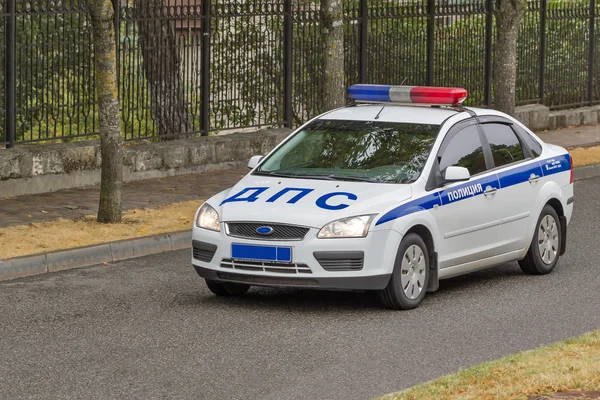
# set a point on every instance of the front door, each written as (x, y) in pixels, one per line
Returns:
(468, 217)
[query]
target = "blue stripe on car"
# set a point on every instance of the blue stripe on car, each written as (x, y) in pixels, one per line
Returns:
(504, 179)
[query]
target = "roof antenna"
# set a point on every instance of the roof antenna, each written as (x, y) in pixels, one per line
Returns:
(377, 116)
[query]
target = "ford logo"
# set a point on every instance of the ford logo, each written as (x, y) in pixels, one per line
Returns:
(264, 230)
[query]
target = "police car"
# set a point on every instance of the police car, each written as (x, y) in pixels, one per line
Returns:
(392, 193)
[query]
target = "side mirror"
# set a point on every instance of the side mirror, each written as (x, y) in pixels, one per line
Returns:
(456, 174)
(254, 161)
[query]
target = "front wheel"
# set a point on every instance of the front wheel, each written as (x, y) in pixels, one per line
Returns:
(545, 246)
(227, 288)
(408, 283)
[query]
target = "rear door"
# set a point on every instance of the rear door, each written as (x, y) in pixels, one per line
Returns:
(519, 175)
(468, 216)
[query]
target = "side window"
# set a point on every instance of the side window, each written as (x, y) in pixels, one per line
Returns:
(504, 143)
(464, 150)
(534, 146)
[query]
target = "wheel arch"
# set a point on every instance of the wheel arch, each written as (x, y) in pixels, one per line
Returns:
(558, 207)
(552, 200)
(427, 237)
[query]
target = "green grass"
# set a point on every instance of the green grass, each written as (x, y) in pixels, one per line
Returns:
(573, 364)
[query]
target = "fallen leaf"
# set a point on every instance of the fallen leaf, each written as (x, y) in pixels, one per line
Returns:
(170, 188)
(105, 263)
(44, 212)
(29, 215)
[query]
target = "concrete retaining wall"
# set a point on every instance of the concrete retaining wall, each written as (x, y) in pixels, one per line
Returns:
(539, 118)
(45, 168)
(42, 168)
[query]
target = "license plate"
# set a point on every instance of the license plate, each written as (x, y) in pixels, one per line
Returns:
(252, 252)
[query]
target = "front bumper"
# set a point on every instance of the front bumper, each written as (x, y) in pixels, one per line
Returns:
(373, 282)
(314, 263)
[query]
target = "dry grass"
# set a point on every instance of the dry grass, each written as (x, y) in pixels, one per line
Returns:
(45, 237)
(570, 365)
(585, 155)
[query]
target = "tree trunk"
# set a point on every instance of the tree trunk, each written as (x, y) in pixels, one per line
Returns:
(509, 14)
(109, 124)
(161, 64)
(332, 39)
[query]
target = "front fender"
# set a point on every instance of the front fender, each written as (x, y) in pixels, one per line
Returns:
(403, 224)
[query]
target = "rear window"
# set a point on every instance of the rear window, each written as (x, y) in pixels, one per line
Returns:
(504, 143)
(534, 145)
(372, 151)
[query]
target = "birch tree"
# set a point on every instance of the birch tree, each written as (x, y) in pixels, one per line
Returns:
(332, 38)
(509, 14)
(161, 62)
(109, 124)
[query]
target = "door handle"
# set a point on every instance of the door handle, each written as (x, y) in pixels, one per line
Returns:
(490, 191)
(533, 179)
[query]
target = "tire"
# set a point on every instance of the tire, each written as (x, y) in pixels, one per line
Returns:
(544, 251)
(405, 292)
(226, 288)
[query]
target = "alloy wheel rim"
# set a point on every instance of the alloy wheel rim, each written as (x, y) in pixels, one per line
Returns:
(413, 271)
(548, 239)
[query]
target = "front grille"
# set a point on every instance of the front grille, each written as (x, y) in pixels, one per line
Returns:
(280, 232)
(340, 260)
(266, 266)
(203, 251)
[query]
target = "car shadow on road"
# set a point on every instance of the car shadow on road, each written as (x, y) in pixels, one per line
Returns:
(292, 299)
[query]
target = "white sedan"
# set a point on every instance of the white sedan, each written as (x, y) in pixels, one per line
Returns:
(392, 193)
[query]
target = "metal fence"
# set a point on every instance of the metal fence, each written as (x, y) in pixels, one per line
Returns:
(190, 67)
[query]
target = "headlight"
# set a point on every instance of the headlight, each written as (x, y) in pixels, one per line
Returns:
(208, 218)
(353, 227)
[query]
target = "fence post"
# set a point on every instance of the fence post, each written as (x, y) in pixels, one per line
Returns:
(543, 11)
(117, 10)
(362, 49)
(288, 31)
(205, 79)
(592, 45)
(430, 43)
(487, 90)
(9, 74)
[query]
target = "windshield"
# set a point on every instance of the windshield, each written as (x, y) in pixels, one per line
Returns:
(371, 151)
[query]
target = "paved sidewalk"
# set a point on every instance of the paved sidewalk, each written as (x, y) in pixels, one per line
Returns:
(74, 203)
(585, 135)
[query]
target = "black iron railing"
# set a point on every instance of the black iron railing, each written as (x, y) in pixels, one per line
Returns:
(190, 67)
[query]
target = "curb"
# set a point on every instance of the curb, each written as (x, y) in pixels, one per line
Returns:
(586, 171)
(138, 247)
(93, 255)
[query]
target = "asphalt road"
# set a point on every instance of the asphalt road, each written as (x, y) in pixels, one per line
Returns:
(148, 328)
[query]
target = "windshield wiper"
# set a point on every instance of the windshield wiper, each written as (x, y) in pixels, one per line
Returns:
(353, 178)
(278, 174)
(321, 177)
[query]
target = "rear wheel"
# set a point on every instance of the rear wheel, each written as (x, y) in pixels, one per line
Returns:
(227, 288)
(408, 283)
(544, 250)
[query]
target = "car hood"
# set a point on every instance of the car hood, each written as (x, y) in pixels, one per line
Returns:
(306, 202)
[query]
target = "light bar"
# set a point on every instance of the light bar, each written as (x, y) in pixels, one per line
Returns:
(407, 94)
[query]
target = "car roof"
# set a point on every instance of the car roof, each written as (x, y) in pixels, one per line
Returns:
(392, 113)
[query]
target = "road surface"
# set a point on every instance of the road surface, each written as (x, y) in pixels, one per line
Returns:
(148, 328)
